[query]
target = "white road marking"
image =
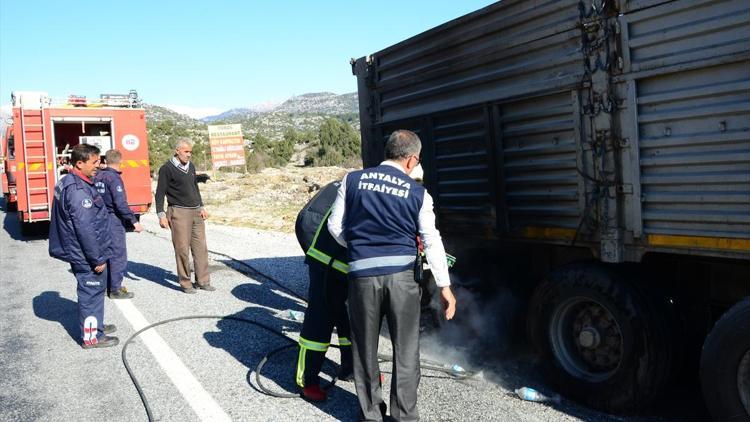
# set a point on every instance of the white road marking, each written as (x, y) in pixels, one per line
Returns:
(197, 397)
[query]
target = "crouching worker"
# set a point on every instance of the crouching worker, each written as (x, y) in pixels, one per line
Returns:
(327, 294)
(79, 234)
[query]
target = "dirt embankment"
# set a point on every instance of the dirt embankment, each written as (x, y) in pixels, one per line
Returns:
(269, 200)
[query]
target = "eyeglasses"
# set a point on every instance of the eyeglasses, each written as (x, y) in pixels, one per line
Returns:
(419, 159)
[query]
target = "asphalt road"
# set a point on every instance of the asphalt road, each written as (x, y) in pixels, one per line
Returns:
(200, 369)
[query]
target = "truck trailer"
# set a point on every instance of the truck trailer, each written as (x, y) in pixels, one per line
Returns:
(36, 148)
(594, 157)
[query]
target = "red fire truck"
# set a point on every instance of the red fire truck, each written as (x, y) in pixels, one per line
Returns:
(36, 147)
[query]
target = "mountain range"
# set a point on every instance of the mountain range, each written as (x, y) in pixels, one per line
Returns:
(301, 112)
(313, 103)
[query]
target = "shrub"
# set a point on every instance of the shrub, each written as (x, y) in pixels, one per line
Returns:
(338, 145)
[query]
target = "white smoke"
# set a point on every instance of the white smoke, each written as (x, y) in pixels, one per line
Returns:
(483, 325)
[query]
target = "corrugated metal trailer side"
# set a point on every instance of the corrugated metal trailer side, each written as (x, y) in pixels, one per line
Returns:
(543, 117)
(686, 81)
(441, 83)
(559, 131)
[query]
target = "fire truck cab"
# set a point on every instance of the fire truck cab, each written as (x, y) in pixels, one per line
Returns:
(36, 147)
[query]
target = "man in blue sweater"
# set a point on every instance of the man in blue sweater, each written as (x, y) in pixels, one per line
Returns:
(377, 215)
(79, 234)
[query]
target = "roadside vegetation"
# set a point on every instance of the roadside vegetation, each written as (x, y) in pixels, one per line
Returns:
(334, 143)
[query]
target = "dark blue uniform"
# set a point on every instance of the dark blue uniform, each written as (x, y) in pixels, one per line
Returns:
(108, 183)
(79, 234)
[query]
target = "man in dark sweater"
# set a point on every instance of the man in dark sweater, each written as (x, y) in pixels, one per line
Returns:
(184, 216)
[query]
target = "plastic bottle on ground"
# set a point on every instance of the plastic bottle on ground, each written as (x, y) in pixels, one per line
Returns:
(457, 370)
(529, 394)
(291, 315)
(296, 315)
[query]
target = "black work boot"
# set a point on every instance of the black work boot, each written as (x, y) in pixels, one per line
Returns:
(123, 293)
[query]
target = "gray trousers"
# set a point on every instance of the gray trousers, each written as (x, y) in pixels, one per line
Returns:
(189, 236)
(397, 297)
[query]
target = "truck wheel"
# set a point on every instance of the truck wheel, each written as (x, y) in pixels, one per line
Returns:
(10, 206)
(725, 365)
(27, 229)
(602, 342)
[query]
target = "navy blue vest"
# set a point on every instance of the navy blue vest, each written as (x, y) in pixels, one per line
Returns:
(380, 221)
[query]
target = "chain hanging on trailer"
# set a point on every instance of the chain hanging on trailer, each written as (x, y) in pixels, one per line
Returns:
(600, 214)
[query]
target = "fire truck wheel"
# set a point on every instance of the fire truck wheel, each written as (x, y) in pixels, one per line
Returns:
(602, 341)
(10, 206)
(27, 229)
(40, 228)
(725, 365)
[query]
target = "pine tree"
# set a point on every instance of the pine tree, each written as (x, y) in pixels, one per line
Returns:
(339, 144)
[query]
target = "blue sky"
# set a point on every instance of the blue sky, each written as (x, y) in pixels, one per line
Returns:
(202, 57)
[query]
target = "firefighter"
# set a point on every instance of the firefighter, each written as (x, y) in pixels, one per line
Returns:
(327, 294)
(79, 234)
(377, 214)
(108, 182)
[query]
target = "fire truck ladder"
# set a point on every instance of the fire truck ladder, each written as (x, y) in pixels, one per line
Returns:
(28, 171)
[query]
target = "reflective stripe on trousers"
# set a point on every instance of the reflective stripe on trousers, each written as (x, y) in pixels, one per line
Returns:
(313, 346)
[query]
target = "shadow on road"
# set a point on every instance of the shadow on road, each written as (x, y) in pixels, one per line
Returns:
(33, 231)
(52, 307)
(266, 300)
(290, 272)
(158, 275)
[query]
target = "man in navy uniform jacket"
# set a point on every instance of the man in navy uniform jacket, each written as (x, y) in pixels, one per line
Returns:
(79, 234)
(377, 215)
(108, 183)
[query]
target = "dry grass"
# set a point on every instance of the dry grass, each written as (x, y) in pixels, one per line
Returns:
(269, 200)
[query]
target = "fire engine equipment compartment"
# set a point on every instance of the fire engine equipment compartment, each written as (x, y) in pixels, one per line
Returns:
(69, 132)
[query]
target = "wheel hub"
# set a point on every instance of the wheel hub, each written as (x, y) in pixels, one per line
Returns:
(589, 338)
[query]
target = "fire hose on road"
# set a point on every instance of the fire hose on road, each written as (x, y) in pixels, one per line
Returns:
(252, 271)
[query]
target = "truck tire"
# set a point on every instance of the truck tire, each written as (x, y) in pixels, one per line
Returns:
(10, 206)
(35, 229)
(602, 342)
(28, 229)
(725, 365)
